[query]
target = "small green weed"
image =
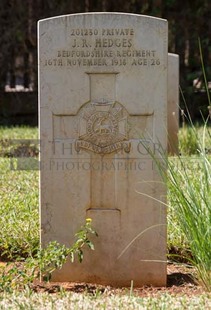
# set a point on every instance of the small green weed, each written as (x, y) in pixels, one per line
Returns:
(21, 274)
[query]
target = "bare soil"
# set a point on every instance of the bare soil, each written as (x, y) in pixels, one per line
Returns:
(179, 281)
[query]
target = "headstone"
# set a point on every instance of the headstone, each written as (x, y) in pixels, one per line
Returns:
(173, 104)
(103, 102)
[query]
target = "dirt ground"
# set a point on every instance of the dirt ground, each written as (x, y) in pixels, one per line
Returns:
(179, 281)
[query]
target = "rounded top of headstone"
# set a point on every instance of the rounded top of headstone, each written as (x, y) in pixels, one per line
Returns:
(173, 55)
(103, 14)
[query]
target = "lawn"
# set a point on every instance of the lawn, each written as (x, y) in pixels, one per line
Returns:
(19, 238)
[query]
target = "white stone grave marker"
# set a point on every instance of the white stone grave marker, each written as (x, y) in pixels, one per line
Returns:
(103, 102)
(173, 104)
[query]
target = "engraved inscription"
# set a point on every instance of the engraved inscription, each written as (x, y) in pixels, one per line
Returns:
(103, 128)
(103, 47)
(102, 32)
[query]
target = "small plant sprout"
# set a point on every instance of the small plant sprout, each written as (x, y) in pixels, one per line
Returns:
(46, 260)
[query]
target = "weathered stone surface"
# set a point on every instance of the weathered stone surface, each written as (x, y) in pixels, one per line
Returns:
(103, 102)
(173, 104)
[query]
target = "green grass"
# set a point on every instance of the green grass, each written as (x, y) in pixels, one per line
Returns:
(190, 200)
(26, 300)
(190, 211)
(18, 132)
(18, 201)
(190, 139)
(18, 211)
(189, 185)
(13, 141)
(192, 168)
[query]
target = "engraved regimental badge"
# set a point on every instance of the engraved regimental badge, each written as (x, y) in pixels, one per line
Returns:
(103, 128)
